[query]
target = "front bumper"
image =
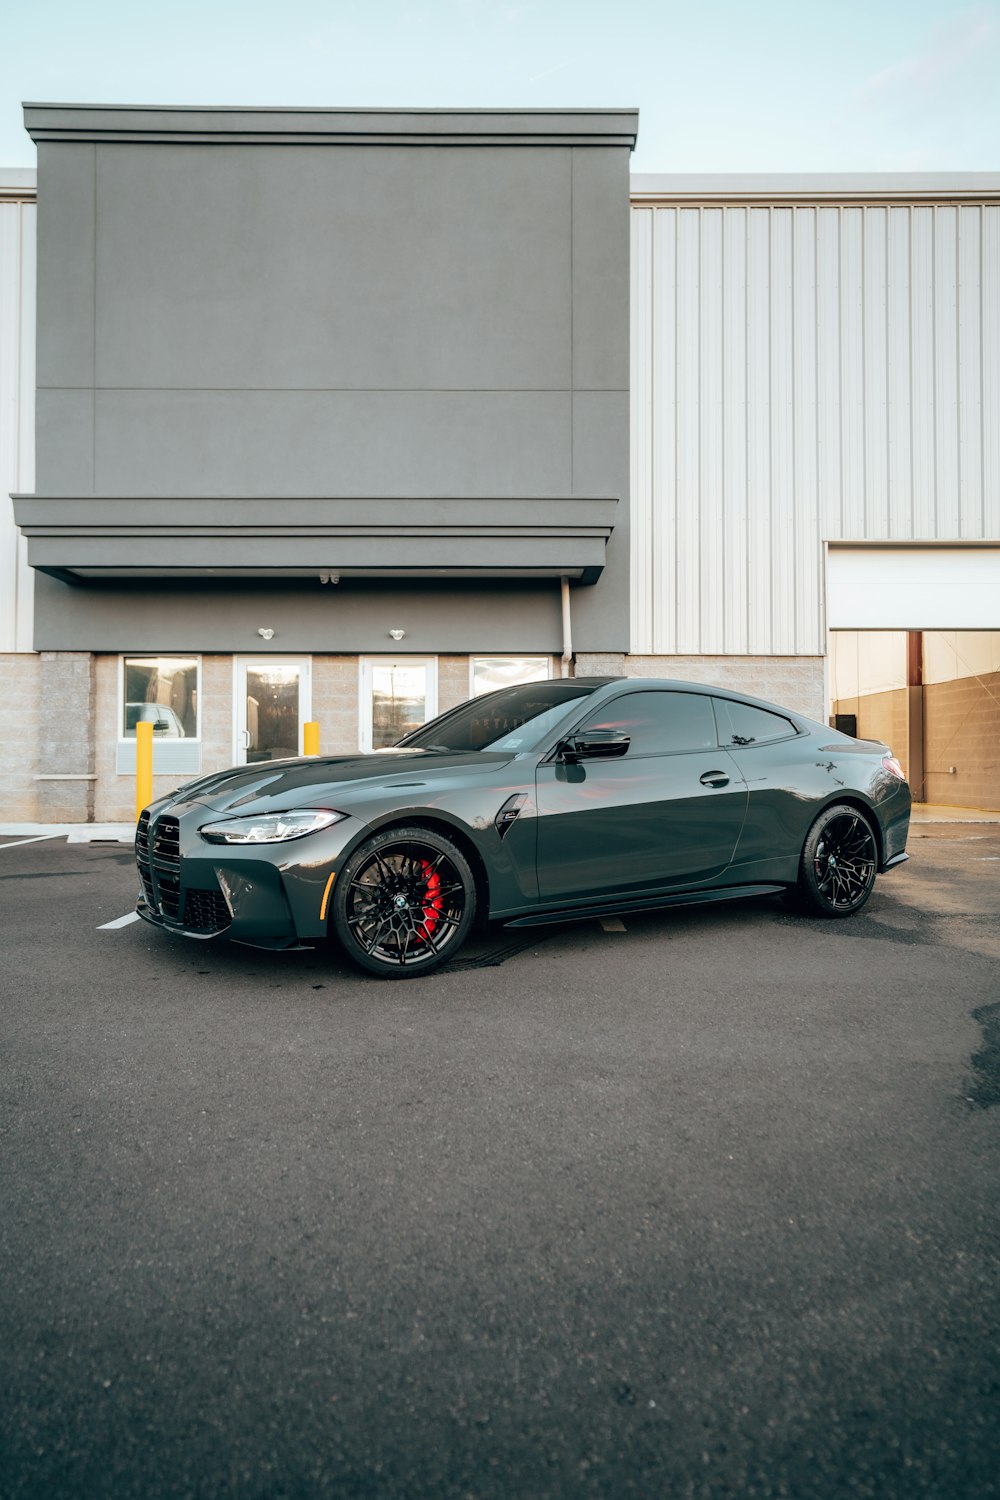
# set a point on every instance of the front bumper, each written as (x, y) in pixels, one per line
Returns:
(269, 895)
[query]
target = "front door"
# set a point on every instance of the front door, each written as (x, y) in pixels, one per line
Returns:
(668, 812)
(273, 701)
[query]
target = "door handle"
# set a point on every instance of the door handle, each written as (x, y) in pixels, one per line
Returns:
(246, 738)
(714, 778)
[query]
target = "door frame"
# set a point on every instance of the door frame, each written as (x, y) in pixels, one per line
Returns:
(365, 681)
(241, 664)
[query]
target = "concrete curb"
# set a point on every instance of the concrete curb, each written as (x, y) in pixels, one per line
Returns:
(75, 833)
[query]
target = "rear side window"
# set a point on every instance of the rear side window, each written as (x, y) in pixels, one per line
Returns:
(660, 723)
(742, 724)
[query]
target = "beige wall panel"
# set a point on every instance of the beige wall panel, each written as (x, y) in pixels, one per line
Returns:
(881, 716)
(962, 729)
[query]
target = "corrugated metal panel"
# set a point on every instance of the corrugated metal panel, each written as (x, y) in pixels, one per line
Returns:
(758, 434)
(734, 427)
(17, 405)
(990, 427)
(816, 373)
(640, 380)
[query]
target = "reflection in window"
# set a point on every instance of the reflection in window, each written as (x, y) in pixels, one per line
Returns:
(659, 723)
(272, 712)
(492, 672)
(751, 725)
(517, 719)
(399, 701)
(162, 691)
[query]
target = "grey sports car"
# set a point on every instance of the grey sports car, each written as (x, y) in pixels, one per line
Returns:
(540, 803)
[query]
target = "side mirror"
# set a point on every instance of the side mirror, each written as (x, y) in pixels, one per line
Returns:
(595, 744)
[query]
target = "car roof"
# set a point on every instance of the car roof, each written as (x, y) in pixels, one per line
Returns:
(680, 685)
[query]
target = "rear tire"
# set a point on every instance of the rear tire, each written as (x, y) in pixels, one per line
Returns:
(404, 903)
(838, 865)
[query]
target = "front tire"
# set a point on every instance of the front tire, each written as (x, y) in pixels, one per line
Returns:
(404, 903)
(838, 865)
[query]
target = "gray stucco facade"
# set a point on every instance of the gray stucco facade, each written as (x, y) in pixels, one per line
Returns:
(392, 346)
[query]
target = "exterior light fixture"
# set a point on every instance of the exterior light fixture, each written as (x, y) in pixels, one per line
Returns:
(326, 577)
(397, 635)
(267, 634)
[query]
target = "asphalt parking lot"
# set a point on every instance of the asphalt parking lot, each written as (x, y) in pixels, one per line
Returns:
(705, 1207)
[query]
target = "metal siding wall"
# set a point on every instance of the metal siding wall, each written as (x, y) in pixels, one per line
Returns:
(688, 439)
(758, 432)
(805, 483)
(990, 426)
(899, 406)
(640, 381)
(732, 543)
(710, 394)
(17, 407)
(970, 389)
(815, 374)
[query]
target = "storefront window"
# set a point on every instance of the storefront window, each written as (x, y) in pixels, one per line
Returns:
(487, 673)
(397, 697)
(163, 691)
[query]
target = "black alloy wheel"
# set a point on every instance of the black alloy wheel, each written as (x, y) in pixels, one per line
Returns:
(839, 863)
(404, 903)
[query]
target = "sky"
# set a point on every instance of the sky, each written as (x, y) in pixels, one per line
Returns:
(721, 85)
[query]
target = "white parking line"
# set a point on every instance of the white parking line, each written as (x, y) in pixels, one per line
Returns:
(130, 916)
(37, 838)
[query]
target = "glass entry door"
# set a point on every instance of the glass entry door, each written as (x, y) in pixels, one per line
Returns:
(397, 696)
(273, 701)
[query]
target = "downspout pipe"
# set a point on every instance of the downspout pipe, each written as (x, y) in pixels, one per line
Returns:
(567, 628)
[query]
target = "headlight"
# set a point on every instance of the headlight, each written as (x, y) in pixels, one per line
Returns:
(270, 828)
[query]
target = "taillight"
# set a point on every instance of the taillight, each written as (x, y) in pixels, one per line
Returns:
(893, 767)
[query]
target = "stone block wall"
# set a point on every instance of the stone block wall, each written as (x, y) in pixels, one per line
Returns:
(20, 694)
(65, 772)
(796, 682)
(336, 703)
(453, 681)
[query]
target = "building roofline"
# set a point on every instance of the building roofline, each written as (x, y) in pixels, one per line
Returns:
(222, 124)
(770, 188)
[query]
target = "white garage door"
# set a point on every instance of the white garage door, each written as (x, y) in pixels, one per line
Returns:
(913, 588)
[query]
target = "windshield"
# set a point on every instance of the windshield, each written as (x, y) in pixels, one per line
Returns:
(517, 718)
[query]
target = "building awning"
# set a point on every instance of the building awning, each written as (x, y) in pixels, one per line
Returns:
(101, 538)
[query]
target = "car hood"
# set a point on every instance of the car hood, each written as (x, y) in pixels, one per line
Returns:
(327, 781)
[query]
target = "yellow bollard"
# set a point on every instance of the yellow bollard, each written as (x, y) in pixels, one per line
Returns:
(310, 738)
(143, 767)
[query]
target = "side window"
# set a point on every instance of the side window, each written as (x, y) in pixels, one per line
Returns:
(660, 723)
(742, 724)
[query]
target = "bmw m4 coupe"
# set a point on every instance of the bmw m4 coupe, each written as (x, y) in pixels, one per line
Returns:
(540, 803)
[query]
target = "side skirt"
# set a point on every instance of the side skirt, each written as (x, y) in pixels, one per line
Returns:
(644, 903)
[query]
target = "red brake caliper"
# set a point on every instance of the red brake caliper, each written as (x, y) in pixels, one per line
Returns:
(433, 900)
